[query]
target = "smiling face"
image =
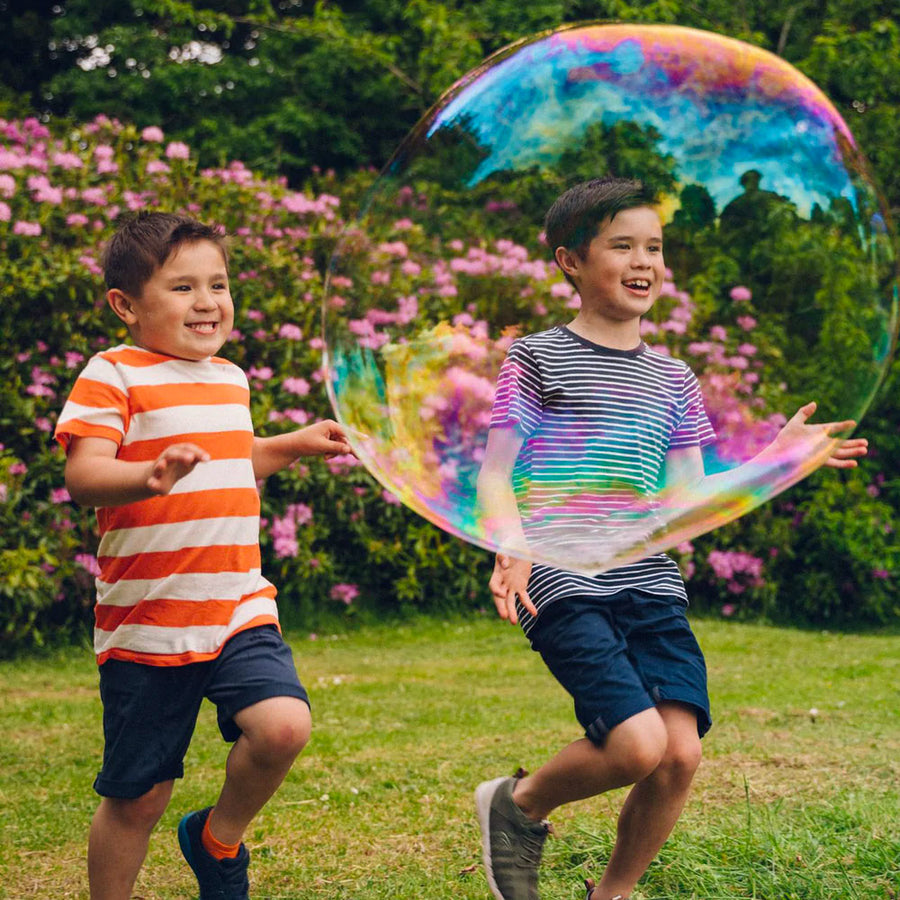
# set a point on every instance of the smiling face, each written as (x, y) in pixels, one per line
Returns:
(185, 308)
(620, 275)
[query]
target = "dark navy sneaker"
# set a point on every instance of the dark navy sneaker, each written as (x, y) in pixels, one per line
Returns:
(219, 879)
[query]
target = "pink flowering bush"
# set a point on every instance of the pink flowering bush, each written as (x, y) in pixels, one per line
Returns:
(334, 541)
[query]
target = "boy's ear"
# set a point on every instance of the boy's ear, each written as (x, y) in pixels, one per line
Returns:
(122, 305)
(567, 260)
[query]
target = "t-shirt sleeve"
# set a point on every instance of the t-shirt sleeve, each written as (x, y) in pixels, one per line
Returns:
(518, 398)
(97, 405)
(694, 429)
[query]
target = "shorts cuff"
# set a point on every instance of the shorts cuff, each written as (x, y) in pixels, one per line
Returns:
(699, 705)
(597, 730)
(131, 790)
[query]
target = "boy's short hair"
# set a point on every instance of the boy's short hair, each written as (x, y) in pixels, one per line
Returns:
(575, 217)
(145, 242)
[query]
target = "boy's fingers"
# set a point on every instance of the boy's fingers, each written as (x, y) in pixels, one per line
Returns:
(835, 427)
(525, 600)
(805, 411)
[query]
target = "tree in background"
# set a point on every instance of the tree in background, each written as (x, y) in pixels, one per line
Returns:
(288, 85)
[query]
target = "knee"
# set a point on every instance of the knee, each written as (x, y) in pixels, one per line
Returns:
(639, 745)
(281, 739)
(681, 760)
(142, 812)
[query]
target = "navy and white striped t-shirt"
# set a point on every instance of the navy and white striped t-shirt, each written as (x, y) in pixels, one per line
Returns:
(597, 424)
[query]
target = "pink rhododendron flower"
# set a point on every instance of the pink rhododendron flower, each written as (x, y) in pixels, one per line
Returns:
(95, 196)
(27, 229)
(90, 264)
(298, 386)
(290, 331)
(5, 212)
(346, 593)
(88, 562)
(740, 294)
(7, 185)
(178, 150)
(153, 134)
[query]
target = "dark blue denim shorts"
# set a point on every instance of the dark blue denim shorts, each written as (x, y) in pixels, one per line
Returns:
(150, 712)
(620, 655)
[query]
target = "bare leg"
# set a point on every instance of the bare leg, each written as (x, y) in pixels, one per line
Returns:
(653, 805)
(274, 731)
(120, 835)
(631, 752)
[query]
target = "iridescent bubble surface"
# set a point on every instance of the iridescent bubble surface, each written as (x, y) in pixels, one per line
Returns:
(782, 285)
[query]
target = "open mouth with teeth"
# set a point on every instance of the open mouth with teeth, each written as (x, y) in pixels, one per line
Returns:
(639, 285)
(203, 327)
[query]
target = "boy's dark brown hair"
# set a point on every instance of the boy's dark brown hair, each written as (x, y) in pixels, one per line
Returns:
(145, 242)
(575, 217)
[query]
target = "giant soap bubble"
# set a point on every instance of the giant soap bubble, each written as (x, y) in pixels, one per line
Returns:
(782, 288)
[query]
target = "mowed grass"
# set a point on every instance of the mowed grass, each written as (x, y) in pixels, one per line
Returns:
(798, 795)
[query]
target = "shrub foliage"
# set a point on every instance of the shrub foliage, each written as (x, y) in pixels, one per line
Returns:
(333, 541)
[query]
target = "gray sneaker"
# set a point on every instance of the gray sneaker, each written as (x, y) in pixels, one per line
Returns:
(590, 886)
(511, 842)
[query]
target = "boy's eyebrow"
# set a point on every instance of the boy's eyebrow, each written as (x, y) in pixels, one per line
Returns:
(630, 237)
(189, 276)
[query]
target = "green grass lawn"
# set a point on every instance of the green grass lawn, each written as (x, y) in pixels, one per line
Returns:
(798, 796)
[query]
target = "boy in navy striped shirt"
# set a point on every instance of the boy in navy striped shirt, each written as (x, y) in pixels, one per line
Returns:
(566, 412)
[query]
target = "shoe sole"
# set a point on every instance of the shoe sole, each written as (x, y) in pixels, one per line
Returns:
(484, 794)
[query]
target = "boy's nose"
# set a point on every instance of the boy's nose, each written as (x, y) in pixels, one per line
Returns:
(204, 300)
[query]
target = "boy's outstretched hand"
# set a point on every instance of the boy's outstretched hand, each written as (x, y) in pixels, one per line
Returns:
(508, 581)
(325, 438)
(173, 464)
(799, 437)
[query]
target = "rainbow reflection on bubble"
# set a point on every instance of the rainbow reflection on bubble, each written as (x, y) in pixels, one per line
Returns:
(783, 284)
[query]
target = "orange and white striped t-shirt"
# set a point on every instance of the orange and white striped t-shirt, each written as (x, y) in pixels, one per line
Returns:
(179, 574)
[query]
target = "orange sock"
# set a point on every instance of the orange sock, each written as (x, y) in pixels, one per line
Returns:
(215, 847)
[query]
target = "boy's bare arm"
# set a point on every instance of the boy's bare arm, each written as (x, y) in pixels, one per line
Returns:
(95, 477)
(272, 454)
(503, 525)
(496, 498)
(684, 467)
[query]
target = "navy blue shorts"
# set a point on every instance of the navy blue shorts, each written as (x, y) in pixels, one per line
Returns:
(621, 655)
(150, 712)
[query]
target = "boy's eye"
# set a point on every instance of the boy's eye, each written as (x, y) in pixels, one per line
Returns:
(181, 287)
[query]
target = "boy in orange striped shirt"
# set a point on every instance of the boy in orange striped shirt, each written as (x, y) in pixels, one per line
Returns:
(159, 439)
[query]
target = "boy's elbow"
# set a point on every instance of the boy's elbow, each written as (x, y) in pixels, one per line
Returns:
(78, 492)
(78, 485)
